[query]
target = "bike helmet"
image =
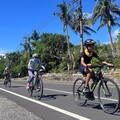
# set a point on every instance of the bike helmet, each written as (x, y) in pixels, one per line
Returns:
(89, 42)
(35, 55)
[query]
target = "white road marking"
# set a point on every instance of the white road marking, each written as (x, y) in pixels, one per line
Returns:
(73, 115)
(58, 90)
(61, 91)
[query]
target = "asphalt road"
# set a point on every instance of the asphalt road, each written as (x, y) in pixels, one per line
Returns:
(56, 104)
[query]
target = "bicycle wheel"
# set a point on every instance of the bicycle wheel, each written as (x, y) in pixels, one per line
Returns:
(30, 90)
(39, 88)
(109, 96)
(78, 95)
(5, 83)
(9, 83)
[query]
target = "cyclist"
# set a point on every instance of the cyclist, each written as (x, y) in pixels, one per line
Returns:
(7, 72)
(85, 63)
(32, 68)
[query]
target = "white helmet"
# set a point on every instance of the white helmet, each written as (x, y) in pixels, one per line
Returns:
(35, 55)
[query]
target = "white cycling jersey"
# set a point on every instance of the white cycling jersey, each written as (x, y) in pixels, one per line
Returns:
(33, 63)
(7, 70)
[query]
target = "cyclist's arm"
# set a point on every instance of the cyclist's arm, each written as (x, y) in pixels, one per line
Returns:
(104, 62)
(41, 65)
(82, 62)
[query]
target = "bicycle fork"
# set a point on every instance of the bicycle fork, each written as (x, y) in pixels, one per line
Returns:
(105, 89)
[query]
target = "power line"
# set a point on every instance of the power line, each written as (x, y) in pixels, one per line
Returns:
(46, 22)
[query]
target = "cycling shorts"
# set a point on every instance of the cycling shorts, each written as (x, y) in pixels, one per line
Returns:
(82, 68)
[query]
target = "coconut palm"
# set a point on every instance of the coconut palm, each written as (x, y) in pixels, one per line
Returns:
(34, 38)
(65, 17)
(80, 23)
(86, 25)
(35, 35)
(79, 15)
(108, 12)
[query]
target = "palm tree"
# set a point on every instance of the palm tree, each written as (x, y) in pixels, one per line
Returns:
(26, 45)
(65, 18)
(108, 13)
(35, 35)
(79, 15)
(35, 38)
(86, 25)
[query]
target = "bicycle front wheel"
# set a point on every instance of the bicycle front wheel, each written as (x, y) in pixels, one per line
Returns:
(78, 95)
(109, 96)
(30, 90)
(39, 88)
(9, 83)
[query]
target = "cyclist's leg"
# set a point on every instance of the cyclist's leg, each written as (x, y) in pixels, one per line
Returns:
(31, 76)
(89, 73)
(5, 77)
(37, 78)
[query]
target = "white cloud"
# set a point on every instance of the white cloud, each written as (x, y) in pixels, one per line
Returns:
(3, 52)
(115, 33)
(89, 15)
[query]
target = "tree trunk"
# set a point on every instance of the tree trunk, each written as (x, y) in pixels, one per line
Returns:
(68, 44)
(111, 42)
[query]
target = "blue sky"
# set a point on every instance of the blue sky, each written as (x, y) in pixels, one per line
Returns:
(18, 18)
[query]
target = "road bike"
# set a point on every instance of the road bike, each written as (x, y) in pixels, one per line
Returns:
(108, 91)
(37, 85)
(7, 81)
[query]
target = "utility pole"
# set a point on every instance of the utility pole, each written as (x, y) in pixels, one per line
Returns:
(79, 17)
(81, 25)
(27, 47)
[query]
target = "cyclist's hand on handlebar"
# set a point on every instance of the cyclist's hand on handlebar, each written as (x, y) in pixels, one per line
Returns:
(110, 65)
(43, 68)
(89, 65)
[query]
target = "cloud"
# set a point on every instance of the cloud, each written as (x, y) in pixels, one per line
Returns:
(89, 15)
(115, 33)
(3, 52)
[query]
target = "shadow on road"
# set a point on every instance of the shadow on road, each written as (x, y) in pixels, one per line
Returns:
(98, 107)
(16, 86)
(53, 96)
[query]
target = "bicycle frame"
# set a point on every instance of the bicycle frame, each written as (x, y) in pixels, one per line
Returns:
(97, 78)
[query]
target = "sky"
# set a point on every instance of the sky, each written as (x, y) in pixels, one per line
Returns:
(18, 19)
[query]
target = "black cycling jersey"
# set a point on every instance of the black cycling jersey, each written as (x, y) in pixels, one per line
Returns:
(87, 59)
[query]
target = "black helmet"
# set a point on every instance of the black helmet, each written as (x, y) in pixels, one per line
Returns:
(89, 42)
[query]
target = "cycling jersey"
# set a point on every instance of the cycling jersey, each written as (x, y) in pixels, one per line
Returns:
(88, 56)
(33, 63)
(7, 70)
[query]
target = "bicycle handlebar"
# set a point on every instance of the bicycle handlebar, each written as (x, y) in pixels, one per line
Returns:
(101, 66)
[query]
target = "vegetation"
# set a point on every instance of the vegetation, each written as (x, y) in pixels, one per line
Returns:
(55, 50)
(52, 49)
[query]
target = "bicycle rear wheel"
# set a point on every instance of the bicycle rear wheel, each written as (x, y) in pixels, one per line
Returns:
(78, 95)
(5, 83)
(109, 96)
(39, 88)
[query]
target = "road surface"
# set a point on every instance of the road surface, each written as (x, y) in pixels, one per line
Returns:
(56, 104)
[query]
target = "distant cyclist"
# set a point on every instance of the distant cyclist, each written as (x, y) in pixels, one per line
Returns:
(32, 68)
(85, 62)
(7, 72)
